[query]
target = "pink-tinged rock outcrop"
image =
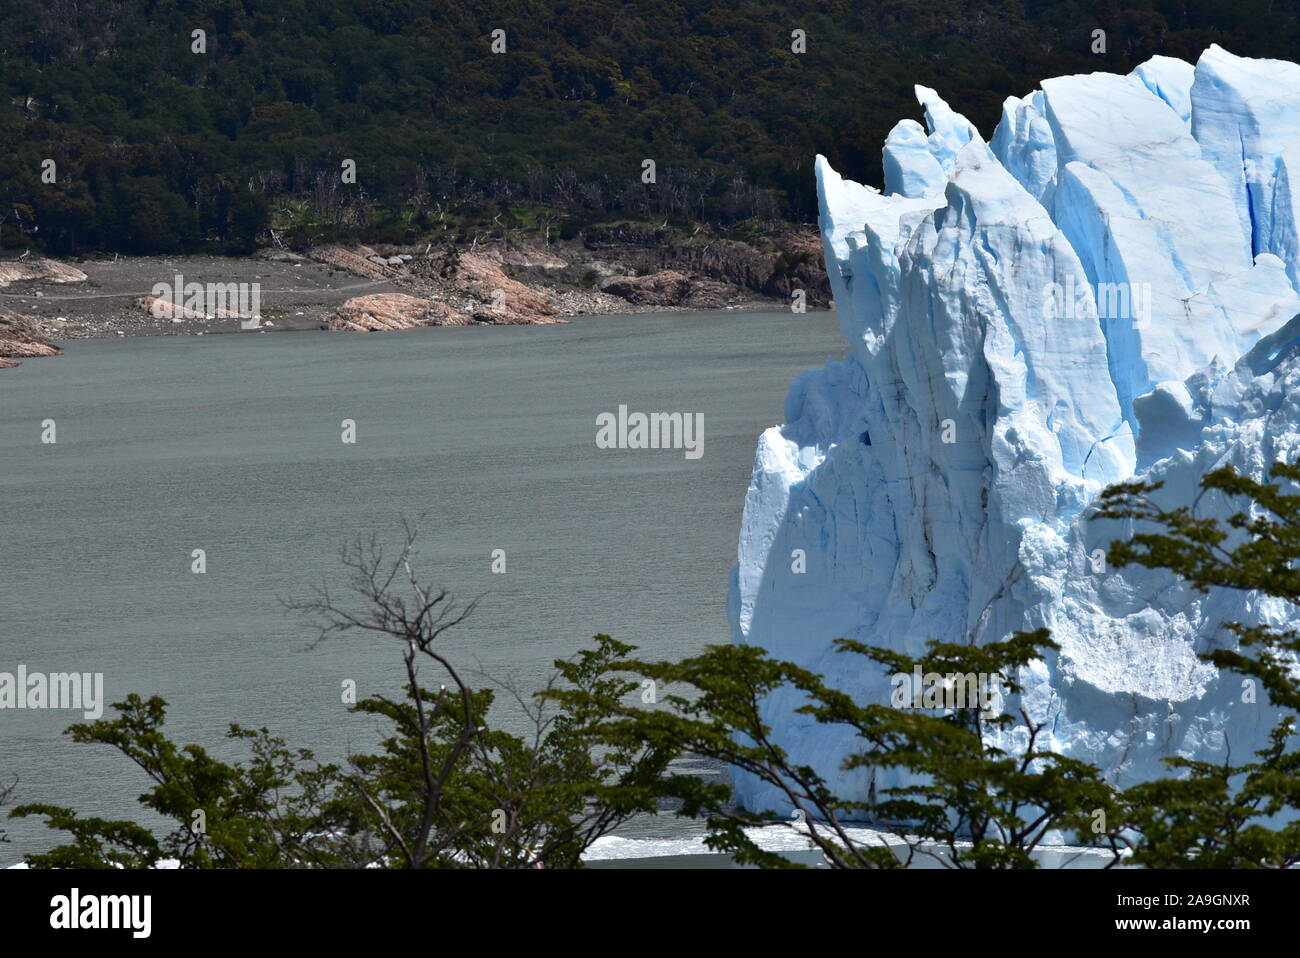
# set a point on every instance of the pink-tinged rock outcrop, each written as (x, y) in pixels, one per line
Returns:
(39, 270)
(476, 285)
(504, 301)
(165, 309)
(532, 256)
(362, 261)
(385, 311)
(19, 339)
(665, 288)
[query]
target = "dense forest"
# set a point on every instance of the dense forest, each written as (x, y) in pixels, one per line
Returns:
(157, 147)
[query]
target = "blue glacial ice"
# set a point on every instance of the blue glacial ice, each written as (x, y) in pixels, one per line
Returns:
(1105, 288)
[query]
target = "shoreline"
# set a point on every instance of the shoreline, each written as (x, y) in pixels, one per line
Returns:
(376, 289)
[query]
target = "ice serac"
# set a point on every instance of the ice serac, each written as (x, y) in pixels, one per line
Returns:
(936, 484)
(949, 130)
(1170, 79)
(1152, 220)
(1245, 115)
(910, 167)
(1023, 143)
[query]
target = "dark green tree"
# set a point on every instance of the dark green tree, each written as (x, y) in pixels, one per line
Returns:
(1223, 815)
(445, 790)
(413, 91)
(265, 813)
(967, 804)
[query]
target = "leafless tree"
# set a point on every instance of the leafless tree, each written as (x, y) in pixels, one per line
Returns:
(396, 605)
(485, 798)
(566, 186)
(592, 195)
(417, 190)
(502, 190)
(535, 180)
(701, 184)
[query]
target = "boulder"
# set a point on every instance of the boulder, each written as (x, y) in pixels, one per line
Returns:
(19, 339)
(530, 256)
(44, 270)
(665, 288)
(799, 265)
(353, 261)
(165, 309)
(385, 311)
(505, 301)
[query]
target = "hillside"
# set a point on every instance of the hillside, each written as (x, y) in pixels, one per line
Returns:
(158, 148)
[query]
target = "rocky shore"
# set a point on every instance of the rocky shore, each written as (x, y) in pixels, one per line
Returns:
(20, 340)
(378, 288)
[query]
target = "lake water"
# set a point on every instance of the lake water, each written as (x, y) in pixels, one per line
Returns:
(231, 444)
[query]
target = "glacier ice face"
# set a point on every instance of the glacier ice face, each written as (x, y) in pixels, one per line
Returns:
(1170, 79)
(1246, 113)
(1091, 295)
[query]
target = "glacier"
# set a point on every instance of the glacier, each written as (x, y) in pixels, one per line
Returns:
(1104, 289)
